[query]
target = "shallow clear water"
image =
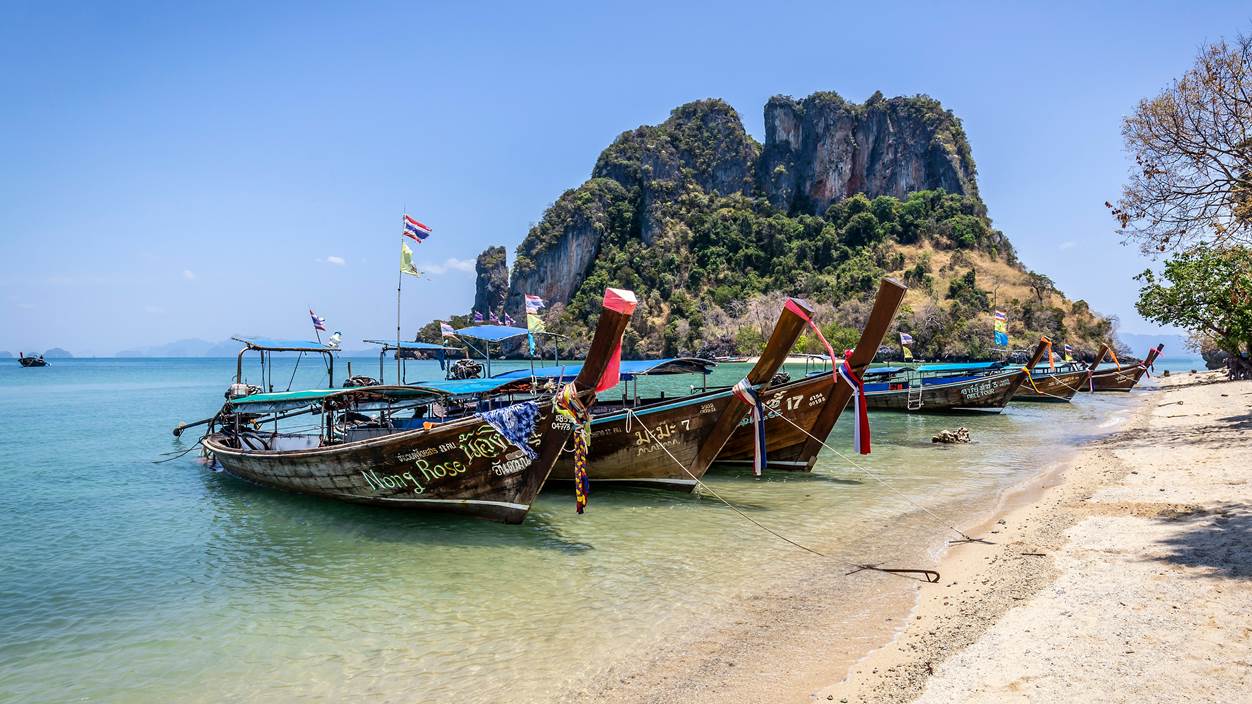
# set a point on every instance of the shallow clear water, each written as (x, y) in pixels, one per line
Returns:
(129, 581)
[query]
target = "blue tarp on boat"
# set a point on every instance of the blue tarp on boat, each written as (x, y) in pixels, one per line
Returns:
(404, 345)
(957, 367)
(261, 343)
(629, 369)
(492, 333)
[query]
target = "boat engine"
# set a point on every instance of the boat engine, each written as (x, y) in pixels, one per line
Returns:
(465, 369)
(240, 390)
(360, 380)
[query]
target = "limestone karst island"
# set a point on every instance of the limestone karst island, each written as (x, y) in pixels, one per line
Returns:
(633, 354)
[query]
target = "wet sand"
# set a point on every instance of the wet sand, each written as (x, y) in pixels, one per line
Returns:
(1122, 574)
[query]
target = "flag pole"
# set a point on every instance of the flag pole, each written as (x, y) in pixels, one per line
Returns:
(399, 284)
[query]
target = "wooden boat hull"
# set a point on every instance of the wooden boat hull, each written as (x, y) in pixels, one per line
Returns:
(32, 362)
(1052, 387)
(634, 448)
(800, 402)
(464, 467)
(1117, 379)
(989, 394)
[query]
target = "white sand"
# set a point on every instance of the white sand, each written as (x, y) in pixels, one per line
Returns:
(1144, 592)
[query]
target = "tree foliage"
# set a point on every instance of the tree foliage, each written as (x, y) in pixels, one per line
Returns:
(1192, 145)
(1205, 290)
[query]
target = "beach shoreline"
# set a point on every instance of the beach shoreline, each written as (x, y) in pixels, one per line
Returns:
(950, 641)
(1095, 566)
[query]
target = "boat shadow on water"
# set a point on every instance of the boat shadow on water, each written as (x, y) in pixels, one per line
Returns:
(264, 511)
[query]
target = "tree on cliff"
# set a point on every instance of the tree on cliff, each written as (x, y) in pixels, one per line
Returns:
(1192, 144)
(1208, 291)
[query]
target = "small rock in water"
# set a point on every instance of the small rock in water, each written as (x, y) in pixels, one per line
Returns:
(950, 436)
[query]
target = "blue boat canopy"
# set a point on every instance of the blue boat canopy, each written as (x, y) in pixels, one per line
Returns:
(629, 369)
(492, 333)
(405, 345)
(362, 396)
(268, 345)
(473, 387)
(957, 367)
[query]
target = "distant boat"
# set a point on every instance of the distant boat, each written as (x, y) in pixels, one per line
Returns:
(941, 388)
(31, 361)
(1059, 384)
(1123, 378)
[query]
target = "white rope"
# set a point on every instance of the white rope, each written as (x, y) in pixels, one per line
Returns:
(706, 487)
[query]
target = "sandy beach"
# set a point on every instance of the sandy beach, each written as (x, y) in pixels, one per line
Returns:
(1121, 574)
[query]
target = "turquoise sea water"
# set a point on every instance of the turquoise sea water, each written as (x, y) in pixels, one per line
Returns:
(129, 581)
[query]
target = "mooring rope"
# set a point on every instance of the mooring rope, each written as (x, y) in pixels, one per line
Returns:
(714, 494)
(930, 576)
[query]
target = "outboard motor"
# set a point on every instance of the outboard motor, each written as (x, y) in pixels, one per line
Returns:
(240, 390)
(465, 369)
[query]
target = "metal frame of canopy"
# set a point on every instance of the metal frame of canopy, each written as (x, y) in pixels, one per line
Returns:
(387, 346)
(266, 347)
(629, 371)
(501, 333)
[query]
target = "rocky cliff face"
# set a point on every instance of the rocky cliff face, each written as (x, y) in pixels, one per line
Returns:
(492, 286)
(818, 151)
(554, 258)
(823, 149)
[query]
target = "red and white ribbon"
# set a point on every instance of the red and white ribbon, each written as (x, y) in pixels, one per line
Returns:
(744, 392)
(860, 430)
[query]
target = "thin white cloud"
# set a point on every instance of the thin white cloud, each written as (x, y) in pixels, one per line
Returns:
(337, 261)
(450, 264)
(1068, 244)
(189, 275)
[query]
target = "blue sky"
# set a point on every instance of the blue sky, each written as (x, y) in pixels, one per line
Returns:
(169, 171)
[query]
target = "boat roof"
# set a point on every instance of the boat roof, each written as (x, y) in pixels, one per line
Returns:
(286, 400)
(405, 345)
(271, 345)
(629, 369)
(957, 367)
(492, 333)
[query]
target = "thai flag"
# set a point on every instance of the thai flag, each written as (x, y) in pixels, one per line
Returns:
(319, 323)
(533, 303)
(446, 330)
(508, 320)
(906, 339)
(1001, 315)
(493, 317)
(415, 230)
(478, 317)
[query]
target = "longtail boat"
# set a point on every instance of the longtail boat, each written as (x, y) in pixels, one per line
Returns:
(670, 443)
(803, 412)
(31, 361)
(490, 464)
(1059, 383)
(1123, 379)
(944, 388)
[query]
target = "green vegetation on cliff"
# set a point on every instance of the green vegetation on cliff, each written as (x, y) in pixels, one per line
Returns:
(683, 214)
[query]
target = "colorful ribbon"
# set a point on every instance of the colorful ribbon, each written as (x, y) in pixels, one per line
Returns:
(744, 392)
(569, 405)
(795, 308)
(860, 430)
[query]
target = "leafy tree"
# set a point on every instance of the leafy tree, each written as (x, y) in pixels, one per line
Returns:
(1206, 290)
(1192, 179)
(1040, 285)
